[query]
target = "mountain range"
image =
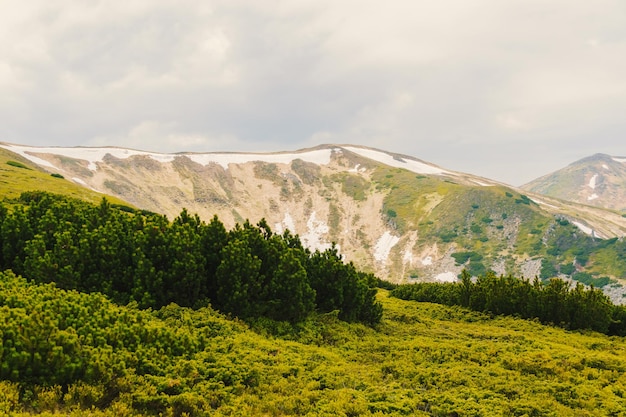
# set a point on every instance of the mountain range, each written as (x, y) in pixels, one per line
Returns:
(397, 216)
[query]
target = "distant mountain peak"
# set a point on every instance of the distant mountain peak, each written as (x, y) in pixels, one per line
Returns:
(598, 180)
(598, 157)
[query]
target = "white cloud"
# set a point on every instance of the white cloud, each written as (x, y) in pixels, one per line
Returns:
(163, 137)
(443, 81)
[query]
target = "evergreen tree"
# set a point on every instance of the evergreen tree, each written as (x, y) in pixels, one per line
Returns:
(214, 238)
(237, 279)
(289, 295)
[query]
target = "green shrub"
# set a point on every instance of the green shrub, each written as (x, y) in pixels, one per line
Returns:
(567, 269)
(462, 257)
(17, 164)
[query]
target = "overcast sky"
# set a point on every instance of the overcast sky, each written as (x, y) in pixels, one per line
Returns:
(507, 89)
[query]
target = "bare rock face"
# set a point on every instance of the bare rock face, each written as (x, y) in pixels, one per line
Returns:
(396, 216)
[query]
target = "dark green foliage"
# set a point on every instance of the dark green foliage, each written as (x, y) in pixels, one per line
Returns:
(548, 269)
(441, 293)
(49, 337)
(447, 236)
(55, 175)
(238, 280)
(567, 269)
(143, 257)
(386, 285)
(589, 279)
(462, 257)
(339, 286)
(17, 164)
(475, 228)
(556, 302)
(476, 268)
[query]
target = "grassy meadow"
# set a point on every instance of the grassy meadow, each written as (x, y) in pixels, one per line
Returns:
(422, 359)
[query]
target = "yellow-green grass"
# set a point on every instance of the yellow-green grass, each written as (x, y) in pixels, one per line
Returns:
(18, 175)
(423, 359)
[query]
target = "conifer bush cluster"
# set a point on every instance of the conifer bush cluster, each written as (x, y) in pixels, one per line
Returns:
(142, 257)
(553, 302)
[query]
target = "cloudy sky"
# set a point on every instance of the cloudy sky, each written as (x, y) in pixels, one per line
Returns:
(509, 90)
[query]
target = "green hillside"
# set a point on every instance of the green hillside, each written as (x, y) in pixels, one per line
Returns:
(18, 175)
(497, 225)
(422, 359)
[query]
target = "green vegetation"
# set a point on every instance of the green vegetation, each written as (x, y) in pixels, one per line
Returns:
(17, 164)
(555, 302)
(589, 279)
(81, 355)
(495, 222)
(352, 185)
(462, 257)
(123, 312)
(448, 212)
(15, 179)
(567, 248)
(142, 257)
(523, 200)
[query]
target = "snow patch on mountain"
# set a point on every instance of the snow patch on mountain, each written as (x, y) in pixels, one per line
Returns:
(384, 245)
(605, 166)
(95, 155)
(313, 238)
(593, 197)
(357, 169)
(286, 224)
(84, 184)
(622, 160)
(446, 277)
(543, 203)
(482, 184)
(593, 181)
(320, 157)
(385, 158)
(91, 155)
(585, 229)
(407, 258)
(22, 152)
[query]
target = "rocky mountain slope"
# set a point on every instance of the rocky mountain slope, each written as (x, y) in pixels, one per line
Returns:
(598, 180)
(394, 215)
